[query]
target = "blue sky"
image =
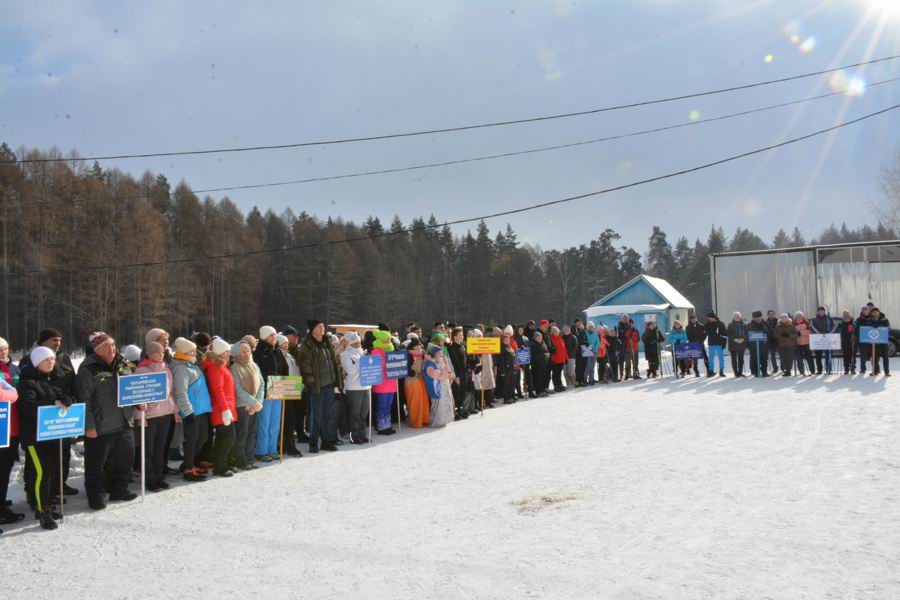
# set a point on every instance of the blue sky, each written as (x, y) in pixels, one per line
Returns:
(121, 77)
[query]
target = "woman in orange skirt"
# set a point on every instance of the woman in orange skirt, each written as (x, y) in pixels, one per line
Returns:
(417, 402)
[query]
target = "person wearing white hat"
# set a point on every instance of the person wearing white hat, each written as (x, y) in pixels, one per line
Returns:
(35, 390)
(271, 362)
(224, 402)
(132, 354)
(357, 394)
(194, 405)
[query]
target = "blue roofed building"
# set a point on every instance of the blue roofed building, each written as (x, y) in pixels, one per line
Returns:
(644, 299)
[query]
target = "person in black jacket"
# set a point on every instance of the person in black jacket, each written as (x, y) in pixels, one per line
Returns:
(573, 350)
(737, 343)
(759, 351)
(459, 385)
(271, 362)
(822, 324)
(881, 350)
(697, 334)
(652, 338)
(506, 367)
(847, 328)
(613, 350)
(865, 349)
(540, 365)
(772, 323)
(109, 440)
(63, 377)
(35, 390)
(717, 337)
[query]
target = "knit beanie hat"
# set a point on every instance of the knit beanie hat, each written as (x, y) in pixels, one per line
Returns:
(476, 333)
(265, 331)
(99, 338)
(132, 353)
(757, 314)
(289, 330)
(352, 337)
(280, 339)
(48, 334)
(183, 345)
(508, 330)
(312, 324)
(40, 354)
(3, 343)
(433, 350)
(202, 339)
(153, 348)
(220, 346)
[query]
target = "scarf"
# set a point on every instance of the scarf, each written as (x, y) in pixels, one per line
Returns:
(248, 375)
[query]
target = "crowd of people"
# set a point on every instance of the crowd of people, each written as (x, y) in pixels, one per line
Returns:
(218, 420)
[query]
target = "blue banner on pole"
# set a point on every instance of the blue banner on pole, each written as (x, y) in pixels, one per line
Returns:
(873, 335)
(523, 356)
(143, 388)
(370, 370)
(397, 364)
(757, 336)
(5, 424)
(691, 351)
(56, 423)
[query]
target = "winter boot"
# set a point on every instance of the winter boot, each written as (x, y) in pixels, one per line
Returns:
(46, 520)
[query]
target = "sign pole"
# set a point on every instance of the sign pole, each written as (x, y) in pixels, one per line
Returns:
(874, 364)
(758, 363)
(482, 385)
(399, 428)
(62, 496)
(281, 434)
(370, 416)
(143, 455)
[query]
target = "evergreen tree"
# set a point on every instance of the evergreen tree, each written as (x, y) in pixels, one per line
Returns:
(660, 261)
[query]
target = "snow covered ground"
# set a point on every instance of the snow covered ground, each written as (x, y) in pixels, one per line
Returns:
(695, 488)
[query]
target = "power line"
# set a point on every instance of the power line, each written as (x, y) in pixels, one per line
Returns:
(463, 127)
(478, 218)
(541, 149)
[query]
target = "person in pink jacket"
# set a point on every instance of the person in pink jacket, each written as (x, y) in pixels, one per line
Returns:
(384, 392)
(803, 353)
(224, 403)
(157, 419)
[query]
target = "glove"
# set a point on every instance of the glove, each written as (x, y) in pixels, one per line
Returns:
(226, 418)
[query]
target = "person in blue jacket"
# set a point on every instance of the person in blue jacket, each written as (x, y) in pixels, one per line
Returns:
(678, 336)
(194, 406)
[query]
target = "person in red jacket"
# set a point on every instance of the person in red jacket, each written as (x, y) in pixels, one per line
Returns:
(630, 343)
(224, 413)
(558, 359)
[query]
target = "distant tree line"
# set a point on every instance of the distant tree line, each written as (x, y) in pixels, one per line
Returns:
(68, 229)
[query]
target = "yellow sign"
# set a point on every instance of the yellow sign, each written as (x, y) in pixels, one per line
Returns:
(483, 345)
(284, 388)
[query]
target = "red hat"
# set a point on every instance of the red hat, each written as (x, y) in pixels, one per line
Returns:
(545, 322)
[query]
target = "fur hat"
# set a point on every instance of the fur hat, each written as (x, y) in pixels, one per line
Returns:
(40, 354)
(153, 335)
(265, 331)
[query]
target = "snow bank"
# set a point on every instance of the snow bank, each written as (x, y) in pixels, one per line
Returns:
(694, 488)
